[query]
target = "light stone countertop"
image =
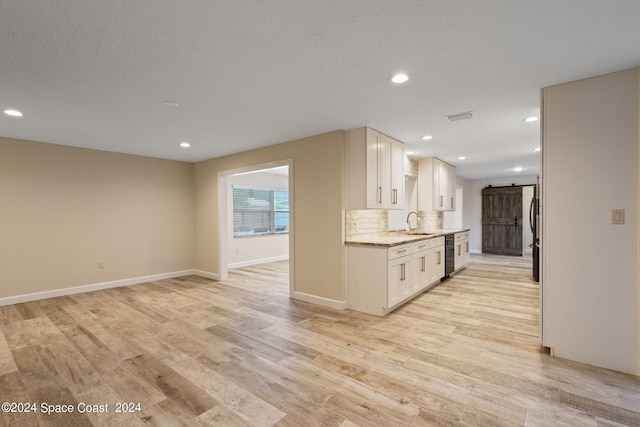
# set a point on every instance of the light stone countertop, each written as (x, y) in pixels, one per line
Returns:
(395, 238)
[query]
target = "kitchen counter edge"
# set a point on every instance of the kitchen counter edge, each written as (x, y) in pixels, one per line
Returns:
(396, 239)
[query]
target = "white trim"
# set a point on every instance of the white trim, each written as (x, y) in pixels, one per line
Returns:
(207, 275)
(257, 261)
(223, 214)
(314, 299)
(17, 299)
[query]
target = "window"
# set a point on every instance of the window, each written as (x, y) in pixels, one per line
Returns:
(260, 211)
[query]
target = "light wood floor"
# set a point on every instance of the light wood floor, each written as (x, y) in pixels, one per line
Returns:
(196, 352)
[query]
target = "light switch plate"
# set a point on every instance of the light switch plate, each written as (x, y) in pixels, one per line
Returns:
(617, 216)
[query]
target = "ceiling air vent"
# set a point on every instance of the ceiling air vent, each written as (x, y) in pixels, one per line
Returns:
(459, 116)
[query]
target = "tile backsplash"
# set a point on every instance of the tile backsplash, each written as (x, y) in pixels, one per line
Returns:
(374, 222)
(366, 223)
(431, 220)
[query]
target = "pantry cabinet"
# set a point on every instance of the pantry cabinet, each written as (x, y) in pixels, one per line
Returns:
(375, 170)
(436, 185)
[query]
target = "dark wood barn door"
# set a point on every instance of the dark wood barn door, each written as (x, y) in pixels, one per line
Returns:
(502, 220)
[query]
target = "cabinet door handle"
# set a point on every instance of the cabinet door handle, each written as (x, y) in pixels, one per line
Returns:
(459, 250)
(439, 257)
(441, 201)
(467, 243)
(452, 203)
(402, 272)
(402, 251)
(423, 264)
(379, 194)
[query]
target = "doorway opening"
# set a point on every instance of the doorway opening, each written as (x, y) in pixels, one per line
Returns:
(256, 217)
(507, 227)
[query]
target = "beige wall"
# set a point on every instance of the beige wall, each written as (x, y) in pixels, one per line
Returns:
(590, 282)
(63, 209)
(318, 164)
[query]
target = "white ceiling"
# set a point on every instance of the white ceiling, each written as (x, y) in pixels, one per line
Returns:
(249, 73)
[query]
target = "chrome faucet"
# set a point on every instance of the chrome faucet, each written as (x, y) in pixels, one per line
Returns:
(408, 223)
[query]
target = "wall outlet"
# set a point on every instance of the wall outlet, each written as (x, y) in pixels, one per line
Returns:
(100, 265)
(617, 216)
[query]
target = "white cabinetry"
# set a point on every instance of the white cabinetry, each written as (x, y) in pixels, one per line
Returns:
(399, 271)
(435, 260)
(420, 265)
(379, 279)
(375, 170)
(436, 185)
(397, 172)
(461, 250)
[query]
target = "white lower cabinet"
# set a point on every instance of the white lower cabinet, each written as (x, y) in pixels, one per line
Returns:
(399, 281)
(420, 266)
(461, 250)
(435, 260)
(379, 279)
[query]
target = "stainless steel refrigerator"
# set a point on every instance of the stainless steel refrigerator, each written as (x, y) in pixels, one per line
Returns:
(534, 220)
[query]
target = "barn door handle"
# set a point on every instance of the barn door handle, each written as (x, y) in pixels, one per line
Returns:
(516, 220)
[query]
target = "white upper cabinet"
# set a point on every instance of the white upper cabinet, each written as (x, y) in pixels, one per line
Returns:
(375, 170)
(436, 185)
(397, 174)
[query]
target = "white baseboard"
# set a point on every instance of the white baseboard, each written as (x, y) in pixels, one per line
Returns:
(313, 299)
(257, 261)
(478, 251)
(206, 274)
(17, 299)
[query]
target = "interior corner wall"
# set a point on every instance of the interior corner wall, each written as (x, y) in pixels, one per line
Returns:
(590, 267)
(318, 210)
(63, 209)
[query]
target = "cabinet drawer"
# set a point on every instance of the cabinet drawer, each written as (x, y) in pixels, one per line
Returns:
(434, 243)
(462, 236)
(398, 251)
(422, 245)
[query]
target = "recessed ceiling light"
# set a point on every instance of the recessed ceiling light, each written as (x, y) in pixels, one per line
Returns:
(185, 145)
(427, 137)
(13, 113)
(399, 78)
(536, 149)
(411, 152)
(462, 158)
(172, 104)
(517, 169)
(530, 119)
